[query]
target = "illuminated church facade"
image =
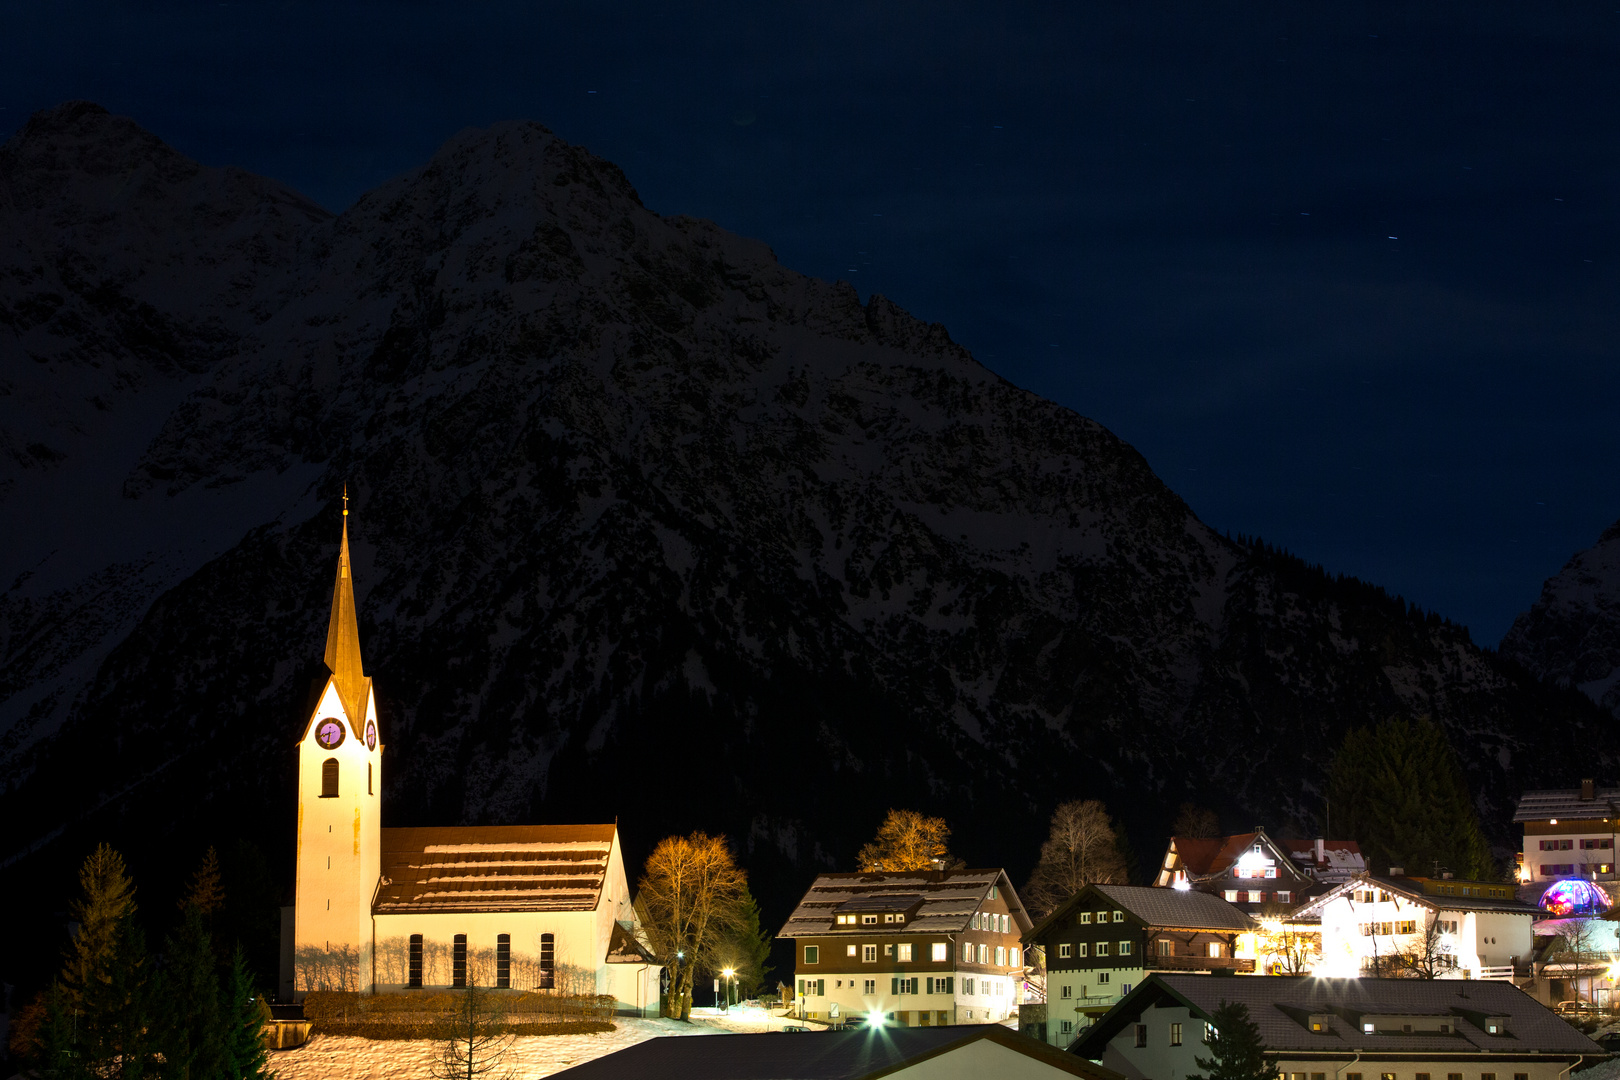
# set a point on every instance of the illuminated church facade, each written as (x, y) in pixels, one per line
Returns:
(521, 907)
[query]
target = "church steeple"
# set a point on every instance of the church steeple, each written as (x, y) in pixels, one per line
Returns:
(343, 635)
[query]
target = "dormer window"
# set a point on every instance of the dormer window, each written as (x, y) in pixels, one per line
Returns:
(868, 920)
(900, 918)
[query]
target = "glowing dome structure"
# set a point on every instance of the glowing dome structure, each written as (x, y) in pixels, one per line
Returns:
(1574, 896)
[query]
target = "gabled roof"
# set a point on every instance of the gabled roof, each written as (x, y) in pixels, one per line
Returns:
(1183, 909)
(1567, 803)
(1414, 889)
(945, 900)
(623, 948)
(861, 1054)
(494, 868)
(1214, 856)
(1280, 1006)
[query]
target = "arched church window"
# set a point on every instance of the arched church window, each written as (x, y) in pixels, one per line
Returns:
(329, 778)
(548, 962)
(503, 961)
(416, 962)
(368, 778)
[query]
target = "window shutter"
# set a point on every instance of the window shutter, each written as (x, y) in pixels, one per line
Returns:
(894, 985)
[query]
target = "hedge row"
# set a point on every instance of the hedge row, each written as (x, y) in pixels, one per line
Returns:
(434, 1029)
(343, 1006)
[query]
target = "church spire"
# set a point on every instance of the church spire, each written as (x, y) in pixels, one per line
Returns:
(343, 634)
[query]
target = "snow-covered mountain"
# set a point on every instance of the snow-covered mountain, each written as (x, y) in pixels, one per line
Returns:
(646, 525)
(1571, 634)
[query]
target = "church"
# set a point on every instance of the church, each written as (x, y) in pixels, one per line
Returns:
(521, 907)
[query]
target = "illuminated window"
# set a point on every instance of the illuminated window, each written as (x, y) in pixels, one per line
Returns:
(1065, 951)
(458, 961)
(905, 952)
(940, 952)
(1175, 1034)
(329, 778)
(503, 961)
(869, 954)
(850, 951)
(416, 962)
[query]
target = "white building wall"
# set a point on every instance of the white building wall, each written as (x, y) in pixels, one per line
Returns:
(1483, 939)
(339, 855)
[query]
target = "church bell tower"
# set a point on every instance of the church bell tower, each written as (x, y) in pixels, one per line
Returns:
(339, 804)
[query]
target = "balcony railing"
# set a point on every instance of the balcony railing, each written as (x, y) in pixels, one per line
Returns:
(1200, 963)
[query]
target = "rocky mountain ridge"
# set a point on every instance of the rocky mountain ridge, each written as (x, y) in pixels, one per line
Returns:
(1571, 634)
(647, 526)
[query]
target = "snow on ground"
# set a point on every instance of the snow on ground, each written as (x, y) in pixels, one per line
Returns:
(344, 1057)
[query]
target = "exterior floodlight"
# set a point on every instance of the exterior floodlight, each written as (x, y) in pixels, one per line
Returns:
(1181, 883)
(728, 973)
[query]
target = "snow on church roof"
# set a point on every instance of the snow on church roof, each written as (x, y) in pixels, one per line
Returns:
(493, 868)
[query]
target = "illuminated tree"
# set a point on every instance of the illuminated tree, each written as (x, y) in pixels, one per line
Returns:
(906, 841)
(693, 899)
(1081, 849)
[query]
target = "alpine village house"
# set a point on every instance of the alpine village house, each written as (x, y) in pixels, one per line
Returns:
(521, 907)
(1099, 944)
(923, 948)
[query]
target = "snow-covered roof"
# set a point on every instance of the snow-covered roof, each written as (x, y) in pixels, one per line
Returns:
(1568, 803)
(942, 901)
(493, 868)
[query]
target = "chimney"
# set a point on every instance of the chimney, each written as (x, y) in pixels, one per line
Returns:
(1321, 851)
(1397, 871)
(1587, 792)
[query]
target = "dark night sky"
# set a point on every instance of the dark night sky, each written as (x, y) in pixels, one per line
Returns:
(1345, 273)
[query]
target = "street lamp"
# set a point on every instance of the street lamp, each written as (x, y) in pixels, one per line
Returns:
(730, 974)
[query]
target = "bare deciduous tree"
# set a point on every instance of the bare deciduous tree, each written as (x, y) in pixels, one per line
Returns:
(475, 1039)
(693, 898)
(1082, 849)
(906, 841)
(1196, 822)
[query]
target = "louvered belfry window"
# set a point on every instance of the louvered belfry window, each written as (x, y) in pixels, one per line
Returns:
(329, 778)
(548, 962)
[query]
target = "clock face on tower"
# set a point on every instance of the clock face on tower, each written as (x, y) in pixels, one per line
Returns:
(329, 733)
(371, 734)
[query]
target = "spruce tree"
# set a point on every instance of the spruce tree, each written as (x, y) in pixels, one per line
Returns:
(1236, 1049)
(1397, 790)
(191, 1036)
(244, 1013)
(105, 979)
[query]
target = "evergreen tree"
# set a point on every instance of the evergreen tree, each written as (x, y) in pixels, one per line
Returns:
(1397, 790)
(206, 893)
(244, 1013)
(104, 983)
(746, 950)
(1236, 1050)
(193, 1032)
(475, 1040)
(54, 1048)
